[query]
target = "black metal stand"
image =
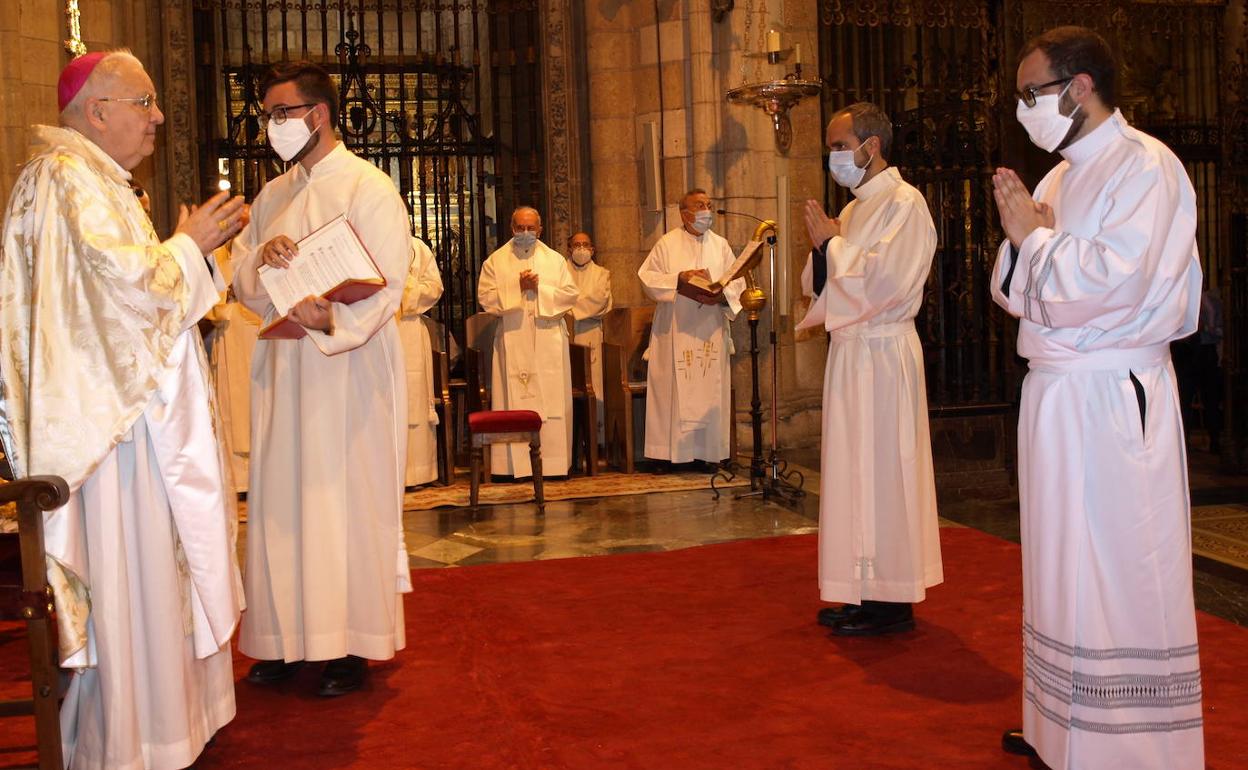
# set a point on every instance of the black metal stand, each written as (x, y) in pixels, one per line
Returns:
(770, 477)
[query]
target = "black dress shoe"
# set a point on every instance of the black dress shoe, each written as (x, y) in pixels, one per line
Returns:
(270, 671)
(877, 618)
(830, 616)
(869, 625)
(342, 675)
(1012, 742)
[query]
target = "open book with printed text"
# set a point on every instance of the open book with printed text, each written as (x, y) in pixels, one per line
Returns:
(744, 261)
(332, 263)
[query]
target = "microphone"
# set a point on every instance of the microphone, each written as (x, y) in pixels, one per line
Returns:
(770, 238)
(726, 212)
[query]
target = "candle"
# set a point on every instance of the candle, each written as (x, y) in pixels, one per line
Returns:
(773, 41)
(797, 53)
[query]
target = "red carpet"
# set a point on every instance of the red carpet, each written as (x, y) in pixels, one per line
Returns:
(701, 658)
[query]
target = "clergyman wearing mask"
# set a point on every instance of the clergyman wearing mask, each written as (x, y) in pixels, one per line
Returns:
(594, 283)
(529, 287)
(879, 548)
(329, 410)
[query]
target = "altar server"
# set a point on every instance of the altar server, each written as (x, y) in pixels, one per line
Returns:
(1101, 268)
(527, 284)
(593, 281)
(879, 542)
(230, 345)
(328, 411)
(421, 291)
(106, 385)
(689, 374)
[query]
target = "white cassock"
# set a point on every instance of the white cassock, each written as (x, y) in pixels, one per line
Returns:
(1111, 671)
(329, 429)
(689, 375)
(107, 386)
(421, 291)
(878, 531)
(593, 281)
(530, 368)
(234, 330)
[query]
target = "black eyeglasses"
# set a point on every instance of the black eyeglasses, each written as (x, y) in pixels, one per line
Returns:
(278, 115)
(146, 101)
(1028, 95)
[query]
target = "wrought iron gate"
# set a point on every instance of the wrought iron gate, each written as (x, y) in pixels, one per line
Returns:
(442, 95)
(933, 67)
(944, 71)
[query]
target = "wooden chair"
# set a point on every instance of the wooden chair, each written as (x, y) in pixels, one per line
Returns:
(25, 595)
(625, 337)
(584, 405)
(506, 426)
(441, 362)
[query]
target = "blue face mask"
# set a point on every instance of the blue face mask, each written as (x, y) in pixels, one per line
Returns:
(525, 240)
(702, 220)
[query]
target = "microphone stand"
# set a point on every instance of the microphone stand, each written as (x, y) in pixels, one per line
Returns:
(770, 477)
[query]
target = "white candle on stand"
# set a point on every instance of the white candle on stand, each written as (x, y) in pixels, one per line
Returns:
(797, 53)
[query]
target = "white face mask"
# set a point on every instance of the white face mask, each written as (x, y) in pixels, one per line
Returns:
(290, 137)
(1045, 124)
(702, 221)
(582, 256)
(845, 170)
(524, 240)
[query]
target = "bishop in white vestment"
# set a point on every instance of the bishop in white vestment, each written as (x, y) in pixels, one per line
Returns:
(593, 281)
(328, 413)
(105, 384)
(1102, 270)
(421, 291)
(689, 370)
(527, 285)
(879, 542)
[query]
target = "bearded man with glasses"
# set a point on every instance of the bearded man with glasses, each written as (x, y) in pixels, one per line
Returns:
(325, 562)
(106, 385)
(1100, 266)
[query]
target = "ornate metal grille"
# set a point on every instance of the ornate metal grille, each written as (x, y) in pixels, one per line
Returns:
(433, 93)
(944, 70)
(932, 66)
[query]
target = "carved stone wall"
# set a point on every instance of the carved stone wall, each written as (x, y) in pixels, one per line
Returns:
(562, 75)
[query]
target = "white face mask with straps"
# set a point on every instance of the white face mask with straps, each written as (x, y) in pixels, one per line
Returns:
(1045, 124)
(845, 170)
(287, 139)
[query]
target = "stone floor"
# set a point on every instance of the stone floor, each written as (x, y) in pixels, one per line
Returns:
(453, 537)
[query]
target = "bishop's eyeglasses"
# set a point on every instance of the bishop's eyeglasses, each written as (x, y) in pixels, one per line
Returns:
(146, 101)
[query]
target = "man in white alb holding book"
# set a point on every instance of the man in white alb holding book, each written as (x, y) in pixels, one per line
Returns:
(689, 379)
(329, 410)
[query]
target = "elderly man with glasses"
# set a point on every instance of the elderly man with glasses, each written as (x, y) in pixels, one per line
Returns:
(689, 379)
(106, 385)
